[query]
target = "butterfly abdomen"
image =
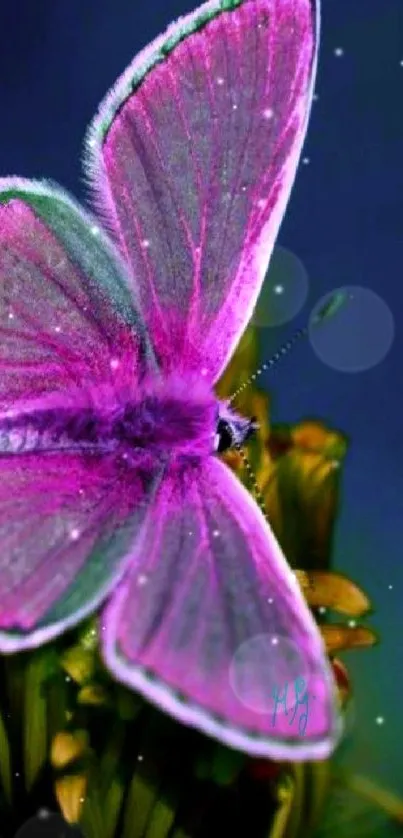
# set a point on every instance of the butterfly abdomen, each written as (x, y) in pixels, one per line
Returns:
(163, 422)
(53, 429)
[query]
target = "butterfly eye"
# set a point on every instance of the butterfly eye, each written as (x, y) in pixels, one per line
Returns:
(225, 436)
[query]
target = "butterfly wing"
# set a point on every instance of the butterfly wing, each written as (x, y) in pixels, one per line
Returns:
(210, 624)
(68, 321)
(67, 527)
(69, 335)
(191, 160)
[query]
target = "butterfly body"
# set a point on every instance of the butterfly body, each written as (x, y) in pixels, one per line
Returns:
(168, 417)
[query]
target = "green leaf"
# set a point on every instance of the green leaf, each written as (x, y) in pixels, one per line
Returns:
(112, 808)
(35, 713)
(92, 820)
(140, 801)
(226, 765)
(5, 761)
(162, 817)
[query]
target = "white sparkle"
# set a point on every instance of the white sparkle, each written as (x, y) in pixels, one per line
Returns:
(142, 580)
(380, 720)
(11, 315)
(278, 289)
(306, 160)
(95, 230)
(216, 533)
(261, 203)
(274, 641)
(75, 534)
(322, 609)
(92, 142)
(220, 80)
(401, 63)
(268, 113)
(315, 97)
(270, 601)
(145, 243)
(390, 587)
(67, 678)
(114, 363)
(235, 107)
(58, 329)
(338, 52)
(82, 799)
(352, 623)
(204, 371)
(140, 757)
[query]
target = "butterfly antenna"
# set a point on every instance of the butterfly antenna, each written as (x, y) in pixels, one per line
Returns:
(255, 486)
(271, 362)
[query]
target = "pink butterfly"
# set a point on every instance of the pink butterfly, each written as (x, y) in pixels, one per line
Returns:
(112, 493)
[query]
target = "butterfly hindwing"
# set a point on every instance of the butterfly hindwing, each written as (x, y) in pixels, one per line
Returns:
(209, 602)
(191, 160)
(68, 523)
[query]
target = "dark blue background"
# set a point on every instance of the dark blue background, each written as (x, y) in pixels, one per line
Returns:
(345, 221)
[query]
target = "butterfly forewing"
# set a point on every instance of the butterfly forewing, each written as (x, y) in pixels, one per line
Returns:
(67, 310)
(192, 158)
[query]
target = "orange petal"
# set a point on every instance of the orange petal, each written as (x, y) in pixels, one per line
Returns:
(333, 590)
(338, 637)
(92, 694)
(78, 663)
(342, 679)
(70, 793)
(67, 747)
(316, 437)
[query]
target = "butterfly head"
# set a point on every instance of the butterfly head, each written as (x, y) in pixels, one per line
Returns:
(232, 430)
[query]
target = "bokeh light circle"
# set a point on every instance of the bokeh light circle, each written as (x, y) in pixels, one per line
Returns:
(48, 825)
(277, 660)
(284, 290)
(351, 329)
